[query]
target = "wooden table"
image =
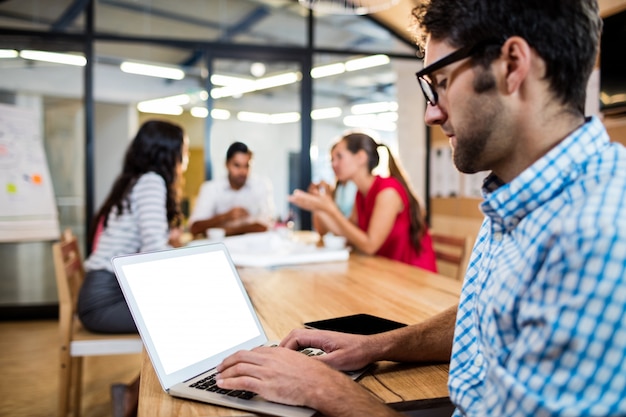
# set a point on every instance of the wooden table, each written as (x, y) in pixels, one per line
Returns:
(284, 298)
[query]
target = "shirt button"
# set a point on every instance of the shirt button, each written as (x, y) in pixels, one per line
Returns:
(479, 360)
(497, 236)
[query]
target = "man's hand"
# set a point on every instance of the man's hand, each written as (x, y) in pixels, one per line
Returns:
(279, 375)
(236, 213)
(344, 351)
(289, 377)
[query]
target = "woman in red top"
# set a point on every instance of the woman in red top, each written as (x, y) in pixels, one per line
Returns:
(387, 219)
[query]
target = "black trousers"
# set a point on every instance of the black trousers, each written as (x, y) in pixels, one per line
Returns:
(101, 304)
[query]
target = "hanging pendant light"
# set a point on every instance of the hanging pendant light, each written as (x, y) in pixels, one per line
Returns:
(359, 7)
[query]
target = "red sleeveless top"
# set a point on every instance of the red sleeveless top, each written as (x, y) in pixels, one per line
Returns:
(398, 245)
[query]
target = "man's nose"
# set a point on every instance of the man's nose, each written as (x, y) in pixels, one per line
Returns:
(434, 115)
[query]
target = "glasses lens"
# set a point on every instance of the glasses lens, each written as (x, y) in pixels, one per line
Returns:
(429, 92)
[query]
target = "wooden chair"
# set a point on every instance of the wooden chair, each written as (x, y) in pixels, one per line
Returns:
(76, 342)
(452, 254)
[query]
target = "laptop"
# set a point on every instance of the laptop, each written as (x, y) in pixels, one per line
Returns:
(192, 311)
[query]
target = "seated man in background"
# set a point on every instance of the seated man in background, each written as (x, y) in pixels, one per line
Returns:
(238, 203)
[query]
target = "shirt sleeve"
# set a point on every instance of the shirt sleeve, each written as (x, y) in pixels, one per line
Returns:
(149, 208)
(204, 207)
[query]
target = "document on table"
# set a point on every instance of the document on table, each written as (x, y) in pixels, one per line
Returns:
(271, 249)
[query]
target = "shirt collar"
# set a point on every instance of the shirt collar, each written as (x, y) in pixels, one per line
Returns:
(508, 204)
(226, 185)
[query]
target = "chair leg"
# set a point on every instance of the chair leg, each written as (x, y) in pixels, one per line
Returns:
(77, 382)
(65, 383)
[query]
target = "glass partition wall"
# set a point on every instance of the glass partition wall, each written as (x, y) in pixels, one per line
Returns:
(57, 118)
(267, 73)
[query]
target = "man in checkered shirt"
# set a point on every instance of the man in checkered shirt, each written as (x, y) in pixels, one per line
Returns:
(540, 328)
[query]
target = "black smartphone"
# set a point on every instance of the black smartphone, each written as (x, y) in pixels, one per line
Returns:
(356, 324)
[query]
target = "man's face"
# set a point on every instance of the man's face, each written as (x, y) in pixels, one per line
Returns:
(238, 167)
(469, 111)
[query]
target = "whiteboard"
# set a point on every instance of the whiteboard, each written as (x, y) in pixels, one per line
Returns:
(27, 205)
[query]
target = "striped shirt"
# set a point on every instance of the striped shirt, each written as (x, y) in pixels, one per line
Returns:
(143, 228)
(541, 328)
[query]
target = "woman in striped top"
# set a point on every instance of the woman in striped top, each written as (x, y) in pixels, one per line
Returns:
(141, 213)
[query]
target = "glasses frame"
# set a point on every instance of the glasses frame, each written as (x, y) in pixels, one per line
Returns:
(429, 91)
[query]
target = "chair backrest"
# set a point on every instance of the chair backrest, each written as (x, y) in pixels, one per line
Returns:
(68, 266)
(451, 253)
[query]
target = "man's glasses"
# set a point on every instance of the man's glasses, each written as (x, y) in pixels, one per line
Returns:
(430, 93)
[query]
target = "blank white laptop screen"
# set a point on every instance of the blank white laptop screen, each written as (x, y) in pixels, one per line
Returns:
(192, 311)
(191, 306)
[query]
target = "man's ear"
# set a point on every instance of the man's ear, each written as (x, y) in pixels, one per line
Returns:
(517, 57)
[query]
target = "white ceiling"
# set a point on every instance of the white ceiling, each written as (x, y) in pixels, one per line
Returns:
(255, 22)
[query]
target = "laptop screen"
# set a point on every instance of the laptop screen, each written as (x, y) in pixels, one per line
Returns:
(189, 305)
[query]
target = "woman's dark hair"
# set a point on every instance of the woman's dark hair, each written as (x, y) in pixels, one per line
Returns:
(565, 34)
(357, 141)
(157, 148)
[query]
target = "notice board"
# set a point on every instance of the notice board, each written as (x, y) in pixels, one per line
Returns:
(28, 208)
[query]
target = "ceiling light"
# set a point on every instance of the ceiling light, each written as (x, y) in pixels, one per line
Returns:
(220, 114)
(369, 122)
(57, 58)
(257, 69)
(230, 91)
(164, 105)
(390, 116)
(159, 108)
(281, 118)
(256, 85)
(179, 99)
(328, 70)
(203, 112)
(200, 112)
(367, 62)
(327, 113)
(383, 106)
(276, 118)
(359, 7)
(8, 53)
(152, 70)
(277, 80)
(247, 116)
(228, 80)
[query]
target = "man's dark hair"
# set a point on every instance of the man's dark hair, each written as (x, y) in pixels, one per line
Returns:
(237, 147)
(565, 34)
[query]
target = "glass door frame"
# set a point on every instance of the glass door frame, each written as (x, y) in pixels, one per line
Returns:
(304, 60)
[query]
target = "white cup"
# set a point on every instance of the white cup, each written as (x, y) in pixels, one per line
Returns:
(334, 242)
(216, 233)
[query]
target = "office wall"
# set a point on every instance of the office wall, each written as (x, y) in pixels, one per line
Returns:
(411, 127)
(115, 125)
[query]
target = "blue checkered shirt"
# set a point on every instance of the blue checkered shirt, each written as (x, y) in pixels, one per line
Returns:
(541, 326)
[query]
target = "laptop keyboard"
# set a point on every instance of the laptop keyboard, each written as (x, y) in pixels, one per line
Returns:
(209, 384)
